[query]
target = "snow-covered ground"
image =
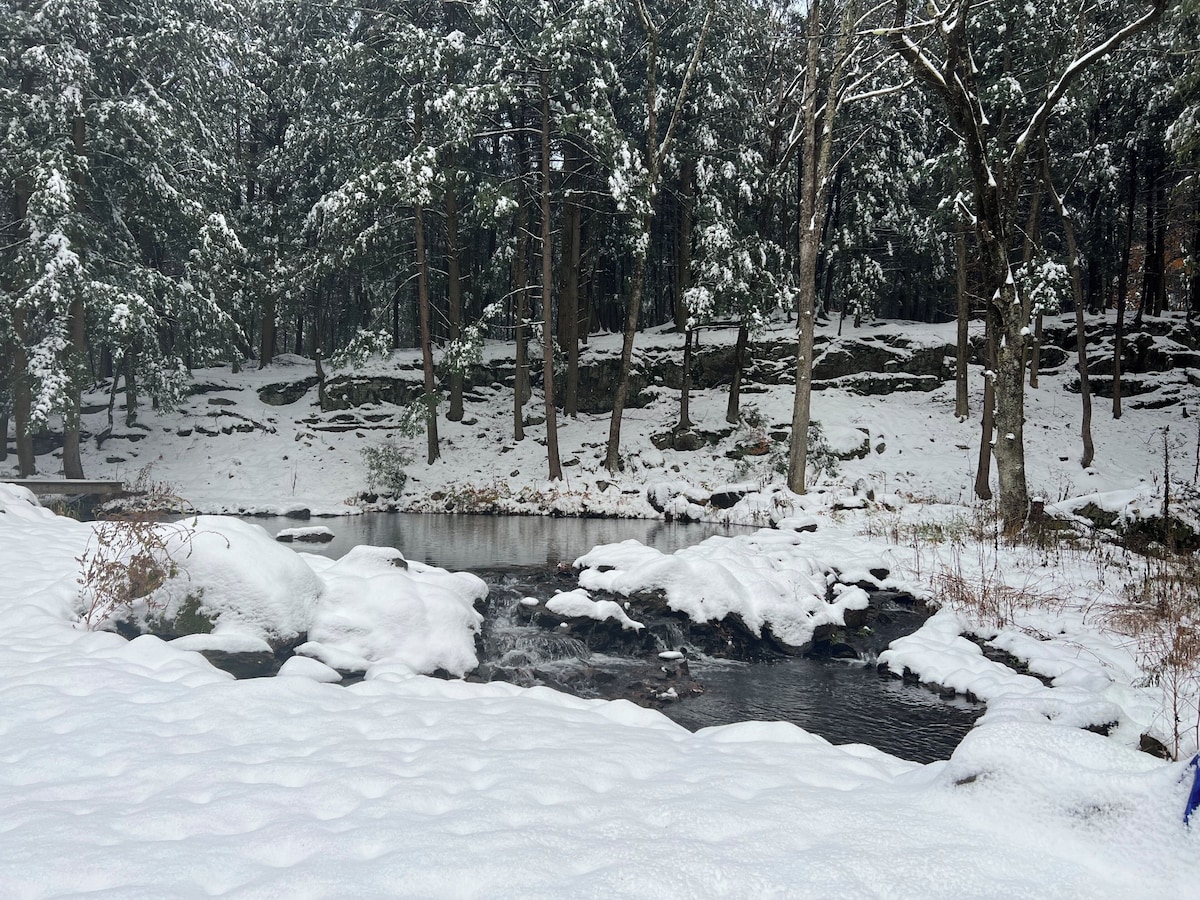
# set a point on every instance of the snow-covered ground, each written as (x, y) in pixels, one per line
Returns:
(136, 769)
(295, 457)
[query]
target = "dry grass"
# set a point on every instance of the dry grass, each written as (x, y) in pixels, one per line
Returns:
(1160, 612)
(132, 554)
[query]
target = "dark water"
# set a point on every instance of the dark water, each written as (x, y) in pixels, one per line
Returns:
(843, 701)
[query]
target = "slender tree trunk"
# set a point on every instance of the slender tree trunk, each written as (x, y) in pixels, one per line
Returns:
(1193, 302)
(733, 407)
(454, 294)
(430, 398)
(521, 288)
(520, 281)
(1033, 240)
(77, 328)
(817, 144)
(962, 405)
(22, 397)
(685, 392)
(1123, 287)
(131, 398)
(568, 301)
(983, 470)
(554, 465)
(683, 244)
(655, 152)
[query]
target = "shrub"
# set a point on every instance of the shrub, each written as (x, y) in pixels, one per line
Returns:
(385, 467)
(132, 554)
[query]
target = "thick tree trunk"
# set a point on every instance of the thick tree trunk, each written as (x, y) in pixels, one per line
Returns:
(454, 294)
(553, 463)
(962, 405)
(430, 398)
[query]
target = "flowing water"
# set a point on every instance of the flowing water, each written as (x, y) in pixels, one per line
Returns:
(845, 701)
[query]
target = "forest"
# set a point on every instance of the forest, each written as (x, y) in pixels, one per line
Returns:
(191, 182)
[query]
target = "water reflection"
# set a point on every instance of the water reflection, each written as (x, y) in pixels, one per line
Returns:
(472, 542)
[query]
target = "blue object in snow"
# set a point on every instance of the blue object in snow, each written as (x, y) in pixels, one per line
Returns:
(1194, 796)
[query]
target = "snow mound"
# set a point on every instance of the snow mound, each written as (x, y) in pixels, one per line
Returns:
(233, 576)
(578, 603)
(379, 607)
(766, 578)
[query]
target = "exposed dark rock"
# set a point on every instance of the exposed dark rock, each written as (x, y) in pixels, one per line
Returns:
(244, 664)
(1154, 747)
(727, 498)
(873, 385)
(285, 392)
(313, 537)
(221, 401)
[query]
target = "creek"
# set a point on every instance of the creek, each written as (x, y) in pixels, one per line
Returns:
(843, 700)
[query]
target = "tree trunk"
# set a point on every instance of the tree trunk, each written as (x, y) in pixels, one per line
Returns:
(683, 244)
(131, 401)
(733, 407)
(520, 283)
(555, 467)
(655, 152)
(454, 294)
(77, 328)
(1123, 287)
(430, 398)
(568, 300)
(983, 470)
(685, 391)
(521, 288)
(962, 405)
(817, 145)
(22, 398)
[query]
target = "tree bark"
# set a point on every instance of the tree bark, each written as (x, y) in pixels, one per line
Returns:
(430, 398)
(1123, 287)
(553, 463)
(733, 409)
(655, 151)
(685, 390)
(568, 300)
(962, 405)
(454, 293)
(816, 124)
(983, 468)
(77, 329)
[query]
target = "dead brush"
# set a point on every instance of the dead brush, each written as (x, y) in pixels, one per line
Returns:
(982, 594)
(1160, 612)
(132, 554)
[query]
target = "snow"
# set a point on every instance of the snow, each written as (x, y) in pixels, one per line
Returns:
(768, 579)
(137, 769)
(578, 603)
